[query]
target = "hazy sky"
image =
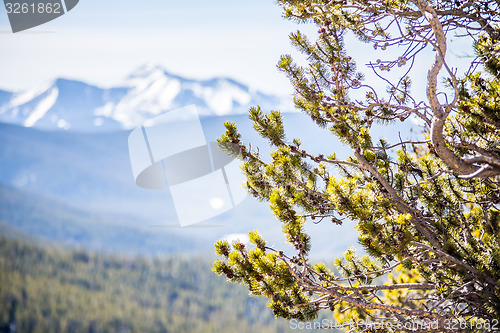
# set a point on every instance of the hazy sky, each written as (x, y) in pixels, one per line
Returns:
(102, 41)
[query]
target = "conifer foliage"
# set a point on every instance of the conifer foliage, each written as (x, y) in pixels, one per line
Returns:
(426, 210)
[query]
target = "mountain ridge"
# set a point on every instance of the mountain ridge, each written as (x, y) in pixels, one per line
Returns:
(74, 105)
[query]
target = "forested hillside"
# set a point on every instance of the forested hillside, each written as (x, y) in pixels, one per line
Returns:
(61, 290)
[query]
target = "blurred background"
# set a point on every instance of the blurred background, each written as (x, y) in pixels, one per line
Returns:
(82, 248)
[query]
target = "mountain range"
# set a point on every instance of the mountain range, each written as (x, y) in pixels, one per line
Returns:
(78, 189)
(64, 104)
(65, 173)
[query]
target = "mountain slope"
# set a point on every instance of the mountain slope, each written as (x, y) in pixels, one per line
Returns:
(91, 174)
(77, 106)
(77, 291)
(4, 96)
(76, 187)
(51, 220)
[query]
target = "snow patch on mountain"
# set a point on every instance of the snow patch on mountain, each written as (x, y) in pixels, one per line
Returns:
(28, 95)
(41, 109)
(223, 95)
(150, 90)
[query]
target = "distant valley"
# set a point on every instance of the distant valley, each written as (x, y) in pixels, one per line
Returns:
(73, 184)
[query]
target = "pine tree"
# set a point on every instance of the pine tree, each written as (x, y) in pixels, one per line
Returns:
(426, 211)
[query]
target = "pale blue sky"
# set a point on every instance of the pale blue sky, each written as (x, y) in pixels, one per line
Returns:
(102, 41)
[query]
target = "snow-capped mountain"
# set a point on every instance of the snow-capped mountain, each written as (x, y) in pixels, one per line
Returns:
(77, 106)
